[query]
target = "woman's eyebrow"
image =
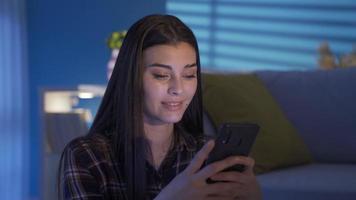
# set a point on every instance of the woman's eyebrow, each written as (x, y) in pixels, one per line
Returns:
(170, 67)
(191, 65)
(160, 65)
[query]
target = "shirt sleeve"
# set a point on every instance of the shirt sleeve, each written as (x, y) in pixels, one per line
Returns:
(77, 181)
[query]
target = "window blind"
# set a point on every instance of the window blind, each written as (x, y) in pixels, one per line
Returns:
(249, 35)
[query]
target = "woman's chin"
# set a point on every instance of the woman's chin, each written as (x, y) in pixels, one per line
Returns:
(172, 119)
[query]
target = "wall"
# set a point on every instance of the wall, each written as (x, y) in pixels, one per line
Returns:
(67, 47)
(14, 126)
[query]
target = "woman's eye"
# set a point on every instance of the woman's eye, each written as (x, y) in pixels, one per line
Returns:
(190, 76)
(160, 76)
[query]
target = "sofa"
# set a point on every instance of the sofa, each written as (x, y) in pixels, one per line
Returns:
(306, 148)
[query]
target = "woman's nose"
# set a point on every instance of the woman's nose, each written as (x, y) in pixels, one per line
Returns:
(175, 87)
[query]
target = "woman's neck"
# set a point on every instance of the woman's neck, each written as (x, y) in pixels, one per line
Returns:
(159, 138)
(159, 134)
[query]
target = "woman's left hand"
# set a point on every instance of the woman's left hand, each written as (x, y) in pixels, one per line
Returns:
(245, 183)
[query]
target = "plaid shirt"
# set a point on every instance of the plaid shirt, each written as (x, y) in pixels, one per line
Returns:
(89, 170)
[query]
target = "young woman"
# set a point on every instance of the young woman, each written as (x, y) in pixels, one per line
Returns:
(146, 141)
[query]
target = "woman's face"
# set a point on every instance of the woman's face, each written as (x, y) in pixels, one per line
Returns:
(169, 82)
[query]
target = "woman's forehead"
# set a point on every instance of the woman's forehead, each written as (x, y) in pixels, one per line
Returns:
(182, 54)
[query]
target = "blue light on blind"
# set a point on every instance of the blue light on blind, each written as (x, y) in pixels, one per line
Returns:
(193, 7)
(267, 34)
(302, 44)
(319, 3)
(204, 48)
(204, 60)
(287, 13)
(202, 33)
(303, 29)
(200, 21)
(261, 54)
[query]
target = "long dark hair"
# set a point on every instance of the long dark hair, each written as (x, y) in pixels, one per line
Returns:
(121, 111)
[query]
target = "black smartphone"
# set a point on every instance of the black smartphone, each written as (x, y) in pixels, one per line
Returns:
(233, 139)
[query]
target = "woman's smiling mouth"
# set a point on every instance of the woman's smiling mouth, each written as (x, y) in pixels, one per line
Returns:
(172, 105)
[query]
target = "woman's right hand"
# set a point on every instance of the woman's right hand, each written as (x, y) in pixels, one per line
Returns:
(191, 183)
